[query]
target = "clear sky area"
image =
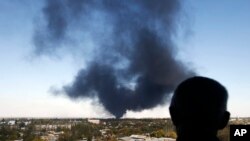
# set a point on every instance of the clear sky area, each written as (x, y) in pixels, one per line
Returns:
(215, 43)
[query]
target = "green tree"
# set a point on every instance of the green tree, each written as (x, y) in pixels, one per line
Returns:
(171, 134)
(158, 133)
(28, 134)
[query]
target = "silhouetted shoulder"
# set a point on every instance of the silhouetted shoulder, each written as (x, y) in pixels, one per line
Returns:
(199, 104)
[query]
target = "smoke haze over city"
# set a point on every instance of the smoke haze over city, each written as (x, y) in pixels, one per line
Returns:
(118, 58)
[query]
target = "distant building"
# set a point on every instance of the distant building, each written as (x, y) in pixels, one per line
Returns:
(163, 139)
(83, 139)
(11, 122)
(94, 121)
(52, 126)
(143, 138)
(27, 123)
(2, 122)
(50, 137)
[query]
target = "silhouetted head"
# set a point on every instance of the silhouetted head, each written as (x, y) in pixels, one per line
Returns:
(199, 104)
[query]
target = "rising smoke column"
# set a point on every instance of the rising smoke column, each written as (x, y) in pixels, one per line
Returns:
(133, 66)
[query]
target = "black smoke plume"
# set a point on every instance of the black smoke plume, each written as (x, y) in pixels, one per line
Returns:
(133, 64)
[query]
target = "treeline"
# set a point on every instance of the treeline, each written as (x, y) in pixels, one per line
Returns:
(114, 129)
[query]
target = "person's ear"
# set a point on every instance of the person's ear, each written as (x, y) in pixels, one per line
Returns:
(174, 116)
(224, 120)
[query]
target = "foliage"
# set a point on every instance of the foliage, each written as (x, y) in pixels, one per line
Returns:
(8, 133)
(172, 134)
(80, 131)
(158, 133)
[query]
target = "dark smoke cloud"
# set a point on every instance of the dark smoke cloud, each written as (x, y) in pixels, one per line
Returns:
(134, 65)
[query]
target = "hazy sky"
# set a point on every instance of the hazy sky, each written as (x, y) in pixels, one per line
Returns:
(217, 45)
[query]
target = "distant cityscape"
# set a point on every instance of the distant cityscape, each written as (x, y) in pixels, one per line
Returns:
(57, 129)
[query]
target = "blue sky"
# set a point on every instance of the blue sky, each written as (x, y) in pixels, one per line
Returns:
(217, 46)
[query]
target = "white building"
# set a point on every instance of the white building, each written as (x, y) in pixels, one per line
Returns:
(143, 138)
(94, 121)
(11, 122)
